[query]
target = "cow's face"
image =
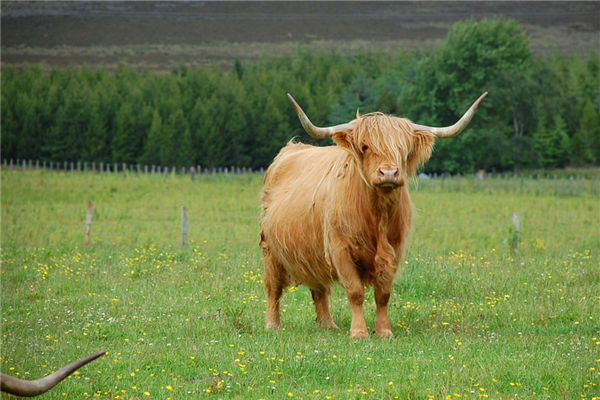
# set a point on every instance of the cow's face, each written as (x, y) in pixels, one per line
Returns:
(387, 149)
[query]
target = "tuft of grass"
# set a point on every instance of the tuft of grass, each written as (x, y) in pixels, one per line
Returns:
(470, 318)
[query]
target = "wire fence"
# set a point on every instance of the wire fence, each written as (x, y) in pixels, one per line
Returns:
(531, 184)
(123, 168)
(537, 184)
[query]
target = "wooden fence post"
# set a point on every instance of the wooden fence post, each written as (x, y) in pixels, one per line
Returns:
(515, 238)
(88, 223)
(572, 188)
(183, 226)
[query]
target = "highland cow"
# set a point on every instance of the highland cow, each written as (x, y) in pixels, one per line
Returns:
(343, 213)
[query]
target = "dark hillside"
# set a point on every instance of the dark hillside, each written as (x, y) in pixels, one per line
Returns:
(163, 34)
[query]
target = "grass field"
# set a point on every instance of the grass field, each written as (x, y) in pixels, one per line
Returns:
(470, 318)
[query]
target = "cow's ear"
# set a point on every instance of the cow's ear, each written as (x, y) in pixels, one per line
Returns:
(421, 150)
(343, 139)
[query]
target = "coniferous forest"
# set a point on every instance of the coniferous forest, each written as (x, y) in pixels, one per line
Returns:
(541, 112)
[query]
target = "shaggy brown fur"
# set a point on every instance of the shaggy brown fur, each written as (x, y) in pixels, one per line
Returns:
(327, 217)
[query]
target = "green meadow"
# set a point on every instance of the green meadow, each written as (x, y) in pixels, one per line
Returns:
(471, 318)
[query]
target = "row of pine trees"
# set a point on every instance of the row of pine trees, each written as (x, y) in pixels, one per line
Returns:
(541, 112)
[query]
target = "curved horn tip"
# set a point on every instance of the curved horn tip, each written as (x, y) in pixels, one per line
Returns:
(480, 99)
(293, 101)
(99, 354)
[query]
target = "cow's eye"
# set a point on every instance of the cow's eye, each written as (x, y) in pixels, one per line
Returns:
(365, 148)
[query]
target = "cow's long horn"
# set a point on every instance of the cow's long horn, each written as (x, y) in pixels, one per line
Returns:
(451, 131)
(315, 131)
(19, 387)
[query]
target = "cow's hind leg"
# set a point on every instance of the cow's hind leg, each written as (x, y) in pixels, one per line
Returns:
(321, 299)
(275, 280)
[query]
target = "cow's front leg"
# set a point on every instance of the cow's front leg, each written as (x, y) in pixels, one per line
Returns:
(355, 291)
(383, 328)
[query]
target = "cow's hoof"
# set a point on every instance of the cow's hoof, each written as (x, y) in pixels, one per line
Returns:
(384, 333)
(358, 334)
(272, 326)
(328, 325)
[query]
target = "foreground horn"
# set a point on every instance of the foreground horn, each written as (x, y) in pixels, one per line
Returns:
(453, 130)
(315, 131)
(19, 387)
